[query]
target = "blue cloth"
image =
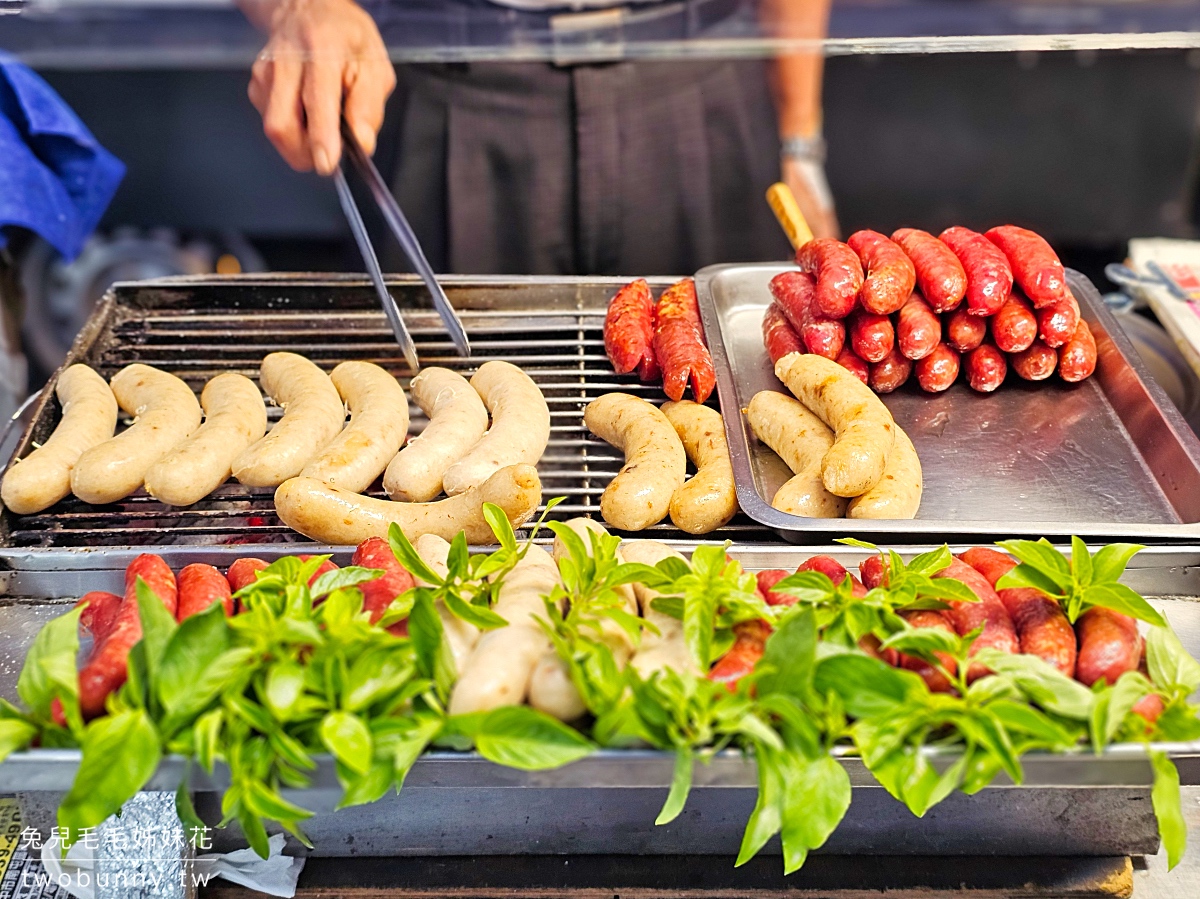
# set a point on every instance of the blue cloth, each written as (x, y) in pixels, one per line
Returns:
(55, 179)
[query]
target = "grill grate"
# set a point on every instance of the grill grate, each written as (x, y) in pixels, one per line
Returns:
(225, 327)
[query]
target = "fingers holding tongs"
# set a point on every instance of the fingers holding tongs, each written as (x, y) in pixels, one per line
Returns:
(406, 237)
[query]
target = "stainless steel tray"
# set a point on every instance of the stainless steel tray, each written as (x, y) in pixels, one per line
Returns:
(1110, 457)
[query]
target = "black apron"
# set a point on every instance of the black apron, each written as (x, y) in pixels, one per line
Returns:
(629, 168)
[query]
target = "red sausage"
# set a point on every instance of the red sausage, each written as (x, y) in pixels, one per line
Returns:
(940, 275)
(890, 274)
(985, 367)
(965, 332)
(891, 373)
(629, 331)
(1035, 266)
(934, 679)
(835, 571)
(1014, 327)
(244, 572)
(679, 343)
(747, 649)
(1109, 645)
(850, 361)
(918, 329)
(767, 581)
(1077, 357)
(998, 630)
(838, 275)
(378, 594)
(98, 615)
(107, 668)
(1057, 321)
(1035, 363)
(199, 587)
(871, 336)
(1149, 707)
(937, 371)
(779, 337)
(874, 571)
(1042, 628)
(989, 277)
(795, 292)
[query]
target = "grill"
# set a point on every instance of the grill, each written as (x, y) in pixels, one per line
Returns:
(198, 328)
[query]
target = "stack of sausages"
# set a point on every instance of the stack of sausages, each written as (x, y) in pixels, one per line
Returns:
(660, 339)
(1102, 645)
(915, 304)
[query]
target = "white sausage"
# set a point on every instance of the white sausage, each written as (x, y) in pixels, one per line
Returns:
(801, 440)
(234, 417)
(655, 461)
(329, 515)
(457, 421)
(520, 427)
(165, 413)
(498, 671)
(667, 648)
(312, 416)
(89, 417)
(709, 499)
(898, 495)
(378, 423)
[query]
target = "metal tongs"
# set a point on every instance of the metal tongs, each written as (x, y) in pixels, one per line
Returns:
(408, 242)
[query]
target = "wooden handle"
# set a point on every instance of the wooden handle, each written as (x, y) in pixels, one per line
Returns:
(783, 203)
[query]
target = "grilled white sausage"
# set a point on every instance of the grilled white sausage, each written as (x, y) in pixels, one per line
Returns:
(457, 420)
(709, 499)
(898, 495)
(89, 417)
(378, 423)
(520, 427)
(655, 462)
(329, 515)
(801, 440)
(234, 417)
(165, 413)
(312, 416)
(499, 670)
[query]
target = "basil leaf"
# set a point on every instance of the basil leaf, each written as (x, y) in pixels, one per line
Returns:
(206, 736)
(434, 659)
(1028, 576)
(1169, 664)
(120, 753)
(867, 687)
(184, 810)
(49, 662)
(1022, 718)
(948, 589)
(766, 819)
(1122, 696)
(15, 735)
(1120, 598)
(815, 799)
(861, 544)
(374, 675)
(790, 656)
(407, 556)
(924, 641)
(673, 568)
(369, 787)
(1081, 562)
(1168, 807)
(681, 785)
(521, 737)
(480, 616)
(806, 586)
(158, 625)
(342, 578)
(191, 649)
(1110, 561)
(500, 526)
(1042, 683)
(348, 739)
(283, 688)
(1045, 558)
(931, 562)
(409, 747)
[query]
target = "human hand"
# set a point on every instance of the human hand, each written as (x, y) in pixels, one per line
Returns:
(806, 178)
(323, 59)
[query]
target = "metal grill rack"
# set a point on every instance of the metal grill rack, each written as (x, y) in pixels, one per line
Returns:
(198, 328)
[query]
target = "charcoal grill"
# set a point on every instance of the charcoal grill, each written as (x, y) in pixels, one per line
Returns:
(198, 328)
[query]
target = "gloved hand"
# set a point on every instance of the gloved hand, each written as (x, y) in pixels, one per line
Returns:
(323, 59)
(804, 173)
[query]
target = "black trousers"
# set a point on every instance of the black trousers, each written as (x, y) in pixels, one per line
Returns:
(631, 168)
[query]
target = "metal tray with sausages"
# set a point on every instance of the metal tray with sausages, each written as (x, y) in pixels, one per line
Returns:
(1108, 457)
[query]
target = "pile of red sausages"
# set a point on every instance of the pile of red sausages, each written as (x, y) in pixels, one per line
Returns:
(115, 626)
(664, 338)
(1102, 645)
(917, 305)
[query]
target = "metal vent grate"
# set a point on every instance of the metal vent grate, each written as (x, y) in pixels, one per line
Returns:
(560, 348)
